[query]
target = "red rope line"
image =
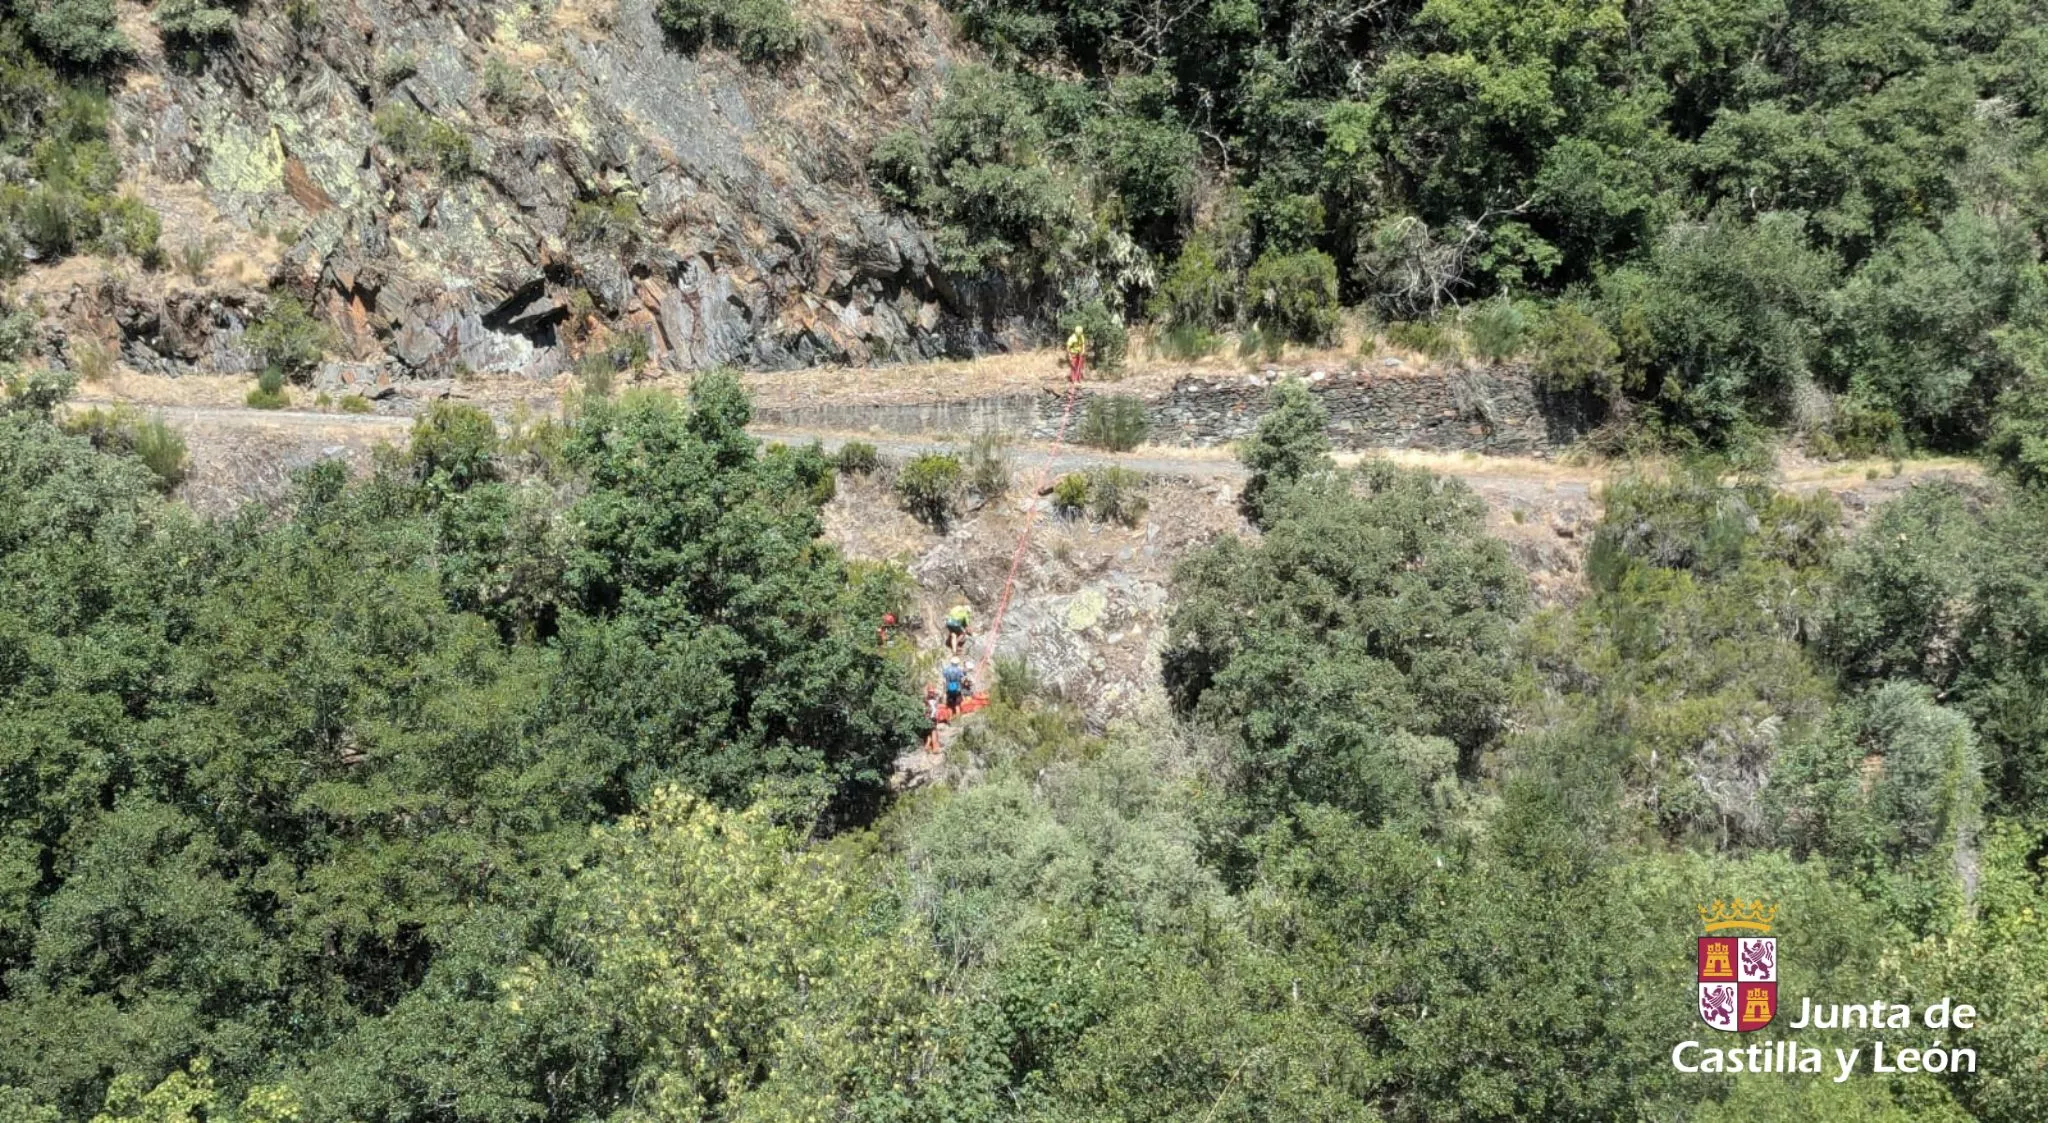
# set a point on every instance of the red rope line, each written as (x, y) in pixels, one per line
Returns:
(995, 628)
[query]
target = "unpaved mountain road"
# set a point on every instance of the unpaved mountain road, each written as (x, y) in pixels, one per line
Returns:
(313, 428)
(239, 452)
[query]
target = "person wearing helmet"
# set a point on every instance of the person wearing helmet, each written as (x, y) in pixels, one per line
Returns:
(956, 684)
(1077, 353)
(956, 629)
(888, 625)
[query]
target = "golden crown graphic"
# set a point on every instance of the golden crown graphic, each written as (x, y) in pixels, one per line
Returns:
(1756, 916)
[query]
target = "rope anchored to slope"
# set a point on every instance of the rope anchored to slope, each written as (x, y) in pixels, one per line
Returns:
(988, 648)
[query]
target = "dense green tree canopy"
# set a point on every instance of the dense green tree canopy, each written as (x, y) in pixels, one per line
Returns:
(535, 781)
(1757, 201)
(1358, 654)
(541, 778)
(261, 775)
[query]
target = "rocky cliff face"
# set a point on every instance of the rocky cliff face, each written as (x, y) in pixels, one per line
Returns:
(469, 186)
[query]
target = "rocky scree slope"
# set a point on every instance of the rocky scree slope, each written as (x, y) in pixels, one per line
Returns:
(460, 186)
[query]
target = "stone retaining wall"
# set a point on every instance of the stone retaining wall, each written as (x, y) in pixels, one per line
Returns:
(1487, 409)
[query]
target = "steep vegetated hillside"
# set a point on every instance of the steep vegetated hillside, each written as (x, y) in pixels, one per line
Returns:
(541, 777)
(538, 773)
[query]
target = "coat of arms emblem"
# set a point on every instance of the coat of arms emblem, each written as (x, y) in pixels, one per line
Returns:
(1738, 974)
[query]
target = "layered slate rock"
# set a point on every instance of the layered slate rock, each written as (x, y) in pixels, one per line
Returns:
(718, 212)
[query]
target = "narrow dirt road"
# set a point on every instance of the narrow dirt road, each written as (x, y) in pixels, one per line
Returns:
(237, 449)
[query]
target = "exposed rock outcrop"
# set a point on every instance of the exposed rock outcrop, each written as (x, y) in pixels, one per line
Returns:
(462, 185)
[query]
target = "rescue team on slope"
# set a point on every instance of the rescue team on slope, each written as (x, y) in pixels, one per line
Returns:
(958, 688)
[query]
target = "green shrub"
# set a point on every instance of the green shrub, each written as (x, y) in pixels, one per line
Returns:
(1255, 343)
(1291, 443)
(1725, 315)
(193, 257)
(37, 392)
(1070, 494)
(453, 446)
(1946, 586)
(504, 88)
(1295, 295)
(13, 250)
(1574, 350)
(930, 486)
(900, 167)
(128, 226)
(125, 430)
(17, 332)
(859, 458)
(1198, 292)
(1117, 494)
(354, 403)
(997, 204)
(1907, 815)
(396, 66)
(1374, 603)
(1016, 681)
(1710, 517)
(629, 350)
(1498, 329)
(2019, 431)
(1113, 423)
(607, 220)
(755, 30)
(269, 392)
(162, 451)
(78, 32)
(288, 338)
(1187, 342)
(988, 466)
(1434, 339)
(1137, 147)
(597, 374)
(91, 360)
(50, 219)
(1108, 342)
(1291, 221)
(1002, 218)
(1863, 428)
(62, 193)
(194, 23)
(421, 142)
